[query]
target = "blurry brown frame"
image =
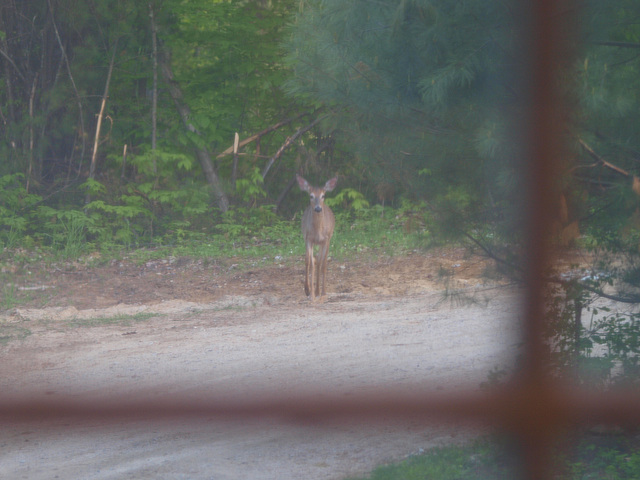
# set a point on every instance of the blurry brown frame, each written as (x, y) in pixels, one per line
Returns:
(534, 408)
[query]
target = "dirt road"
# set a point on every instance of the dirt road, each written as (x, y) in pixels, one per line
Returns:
(182, 327)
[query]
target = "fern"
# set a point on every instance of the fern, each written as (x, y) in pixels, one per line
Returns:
(93, 187)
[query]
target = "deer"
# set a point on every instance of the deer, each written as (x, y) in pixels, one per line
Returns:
(318, 223)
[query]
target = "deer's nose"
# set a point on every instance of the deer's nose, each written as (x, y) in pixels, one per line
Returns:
(318, 208)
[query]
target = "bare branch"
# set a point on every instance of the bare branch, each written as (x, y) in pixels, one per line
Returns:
(288, 142)
(601, 160)
(618, 44)
(258, 135)
(616, 298)
(5, 55)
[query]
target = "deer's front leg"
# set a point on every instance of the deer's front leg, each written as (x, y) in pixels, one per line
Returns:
(309, 272)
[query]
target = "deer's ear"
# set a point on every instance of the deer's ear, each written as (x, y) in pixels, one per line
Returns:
(331, 184)
(304, 185)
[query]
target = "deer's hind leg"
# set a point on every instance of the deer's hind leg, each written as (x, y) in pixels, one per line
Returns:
(323, 254)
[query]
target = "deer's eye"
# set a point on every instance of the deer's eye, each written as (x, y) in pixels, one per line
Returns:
(312, 196)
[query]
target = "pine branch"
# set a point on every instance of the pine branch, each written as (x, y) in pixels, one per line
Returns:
(494, 256)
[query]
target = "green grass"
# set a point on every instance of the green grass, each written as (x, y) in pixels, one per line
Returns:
(247, 234)
(480, 460)
(586, 457)
(8, 299)
(113, 320)
(12, 297)
(611, 457)
(10, 332)
(365, 236)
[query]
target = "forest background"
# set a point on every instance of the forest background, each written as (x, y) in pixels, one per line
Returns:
(128, 124)
(118, 118)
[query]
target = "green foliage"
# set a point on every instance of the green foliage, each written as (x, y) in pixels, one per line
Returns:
(607, 457)
(348, 198)
(121, 319)
(418, 96)
(66, 230)
(117, 218)
(227, 56)
(619, 334)
(254, 227)
(376, 230)
(10, 332)
(480, 460)
(227, 60)
(15, 201)
(610, 457)
(159, 162)
(409, 86)
(250, 188)
(8, 296)
(454, 211)
(606, 118)
(93, 187)
(604, 354)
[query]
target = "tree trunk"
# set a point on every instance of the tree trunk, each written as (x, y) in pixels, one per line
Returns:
(234, 170)
(284, 193)
(31, 139)
(154, 93)
(96, 141)
(203, 155)
(75, 89)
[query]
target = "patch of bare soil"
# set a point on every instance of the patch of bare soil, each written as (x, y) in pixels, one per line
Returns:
(186, 328)
(202, 281)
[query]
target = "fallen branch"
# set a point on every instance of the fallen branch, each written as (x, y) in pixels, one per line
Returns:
(619, 44)
(258, 135)
(601, 160)
(288, 142)
(39, 287)
(632, 299)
